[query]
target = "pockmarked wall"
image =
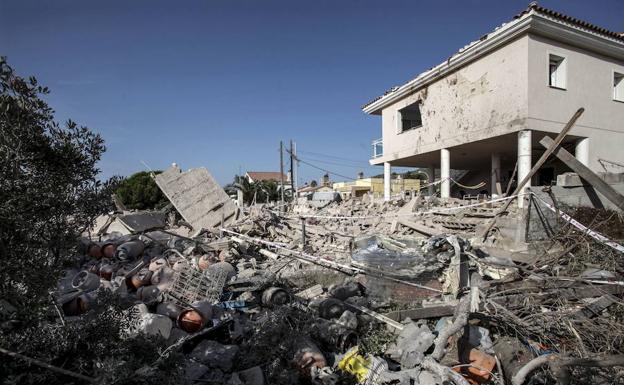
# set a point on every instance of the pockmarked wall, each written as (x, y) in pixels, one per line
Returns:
(483, 99)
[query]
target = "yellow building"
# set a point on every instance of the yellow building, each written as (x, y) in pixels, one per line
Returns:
(363, 186)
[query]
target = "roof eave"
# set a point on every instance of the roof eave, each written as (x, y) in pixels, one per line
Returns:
(506, 34)
(532, 22)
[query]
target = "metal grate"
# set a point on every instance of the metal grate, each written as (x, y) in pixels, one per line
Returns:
(190, 285)
(377, 367)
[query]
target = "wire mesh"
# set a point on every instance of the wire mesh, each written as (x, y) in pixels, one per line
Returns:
(191, 285)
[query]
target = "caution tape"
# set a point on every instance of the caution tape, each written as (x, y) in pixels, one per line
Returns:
(594, 234)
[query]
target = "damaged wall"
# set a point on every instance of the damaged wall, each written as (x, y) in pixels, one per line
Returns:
(486, 98)
(197, 196)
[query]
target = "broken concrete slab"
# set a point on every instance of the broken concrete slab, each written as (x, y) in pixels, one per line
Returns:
(197, 196)
(143, 221)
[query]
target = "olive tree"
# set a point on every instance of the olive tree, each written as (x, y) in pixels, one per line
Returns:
(49, 194)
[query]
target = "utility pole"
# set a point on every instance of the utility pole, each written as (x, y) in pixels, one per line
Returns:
(296, 172)
(281, 175)
(292, 171)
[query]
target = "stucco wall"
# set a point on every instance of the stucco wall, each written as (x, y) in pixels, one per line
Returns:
(483, 99)
(590, 85)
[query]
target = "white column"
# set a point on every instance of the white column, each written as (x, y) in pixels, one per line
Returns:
(387, 180)
(445, 173)
(495, 173)
(581, 151)
(239, 198)
(431, 173)
(524, 161)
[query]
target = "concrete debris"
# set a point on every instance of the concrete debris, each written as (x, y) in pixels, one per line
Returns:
(353, 292)
(197, 197)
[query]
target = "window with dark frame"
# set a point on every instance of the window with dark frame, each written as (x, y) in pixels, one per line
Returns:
(411, 117)
(618, 86)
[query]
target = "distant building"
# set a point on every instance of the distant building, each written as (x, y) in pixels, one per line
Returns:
(265, 176)
(309, 190)
(375, 186)
(485, 109)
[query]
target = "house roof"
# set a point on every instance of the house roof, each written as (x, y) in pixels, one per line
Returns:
(579, 23)
(310, 188)
(480, 46)
(266, 175)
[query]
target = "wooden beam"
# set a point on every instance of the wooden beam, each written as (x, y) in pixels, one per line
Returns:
(428, 231)
(537, 166)
(420, 313)
(584, 172)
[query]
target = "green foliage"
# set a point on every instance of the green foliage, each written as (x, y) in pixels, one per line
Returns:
(49, 191)
(49, 194)
(97, 347)
(140, 192)
(256, 192)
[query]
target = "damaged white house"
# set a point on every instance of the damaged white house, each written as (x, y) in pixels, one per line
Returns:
(486, 108)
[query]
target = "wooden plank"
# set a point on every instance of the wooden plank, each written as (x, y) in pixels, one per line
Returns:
(374, 314)
(428, 231)
(537, 166)
(584, 172)
(578, 293)
(421, 313)
(594, 308)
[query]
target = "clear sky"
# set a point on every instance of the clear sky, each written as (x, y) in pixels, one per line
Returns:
(220, 83)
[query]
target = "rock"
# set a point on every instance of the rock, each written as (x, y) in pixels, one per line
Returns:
(156, 324)
(175, 335)
(411, 345)
(215, 355)
(194, 370)
(348, 320)
(169, 309)
(346, 290)
(251, 376)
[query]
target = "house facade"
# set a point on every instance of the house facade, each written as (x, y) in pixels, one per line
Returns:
(375, 186)
(485, 109)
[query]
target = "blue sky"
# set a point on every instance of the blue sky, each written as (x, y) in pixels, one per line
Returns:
(220, 83)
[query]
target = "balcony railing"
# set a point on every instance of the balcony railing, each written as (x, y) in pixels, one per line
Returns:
(377, 148)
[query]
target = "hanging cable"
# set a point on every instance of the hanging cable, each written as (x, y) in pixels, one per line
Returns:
(320, 168)
(329, 156)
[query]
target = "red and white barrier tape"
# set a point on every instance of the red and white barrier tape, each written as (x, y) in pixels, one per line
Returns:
(594, 234)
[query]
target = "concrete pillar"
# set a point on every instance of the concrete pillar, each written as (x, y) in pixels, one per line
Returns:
(581, 151)
(524, 162)
(496, 167)
(387, 181)
(431, 173)
(239, 198)
(445, 173)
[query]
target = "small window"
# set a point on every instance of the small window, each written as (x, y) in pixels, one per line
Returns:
(557, 71)
(410, 117)
(618, 87)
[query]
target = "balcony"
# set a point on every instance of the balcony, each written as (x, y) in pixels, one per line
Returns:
(377, 148)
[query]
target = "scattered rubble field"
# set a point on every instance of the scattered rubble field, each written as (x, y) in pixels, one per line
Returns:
(359, 291)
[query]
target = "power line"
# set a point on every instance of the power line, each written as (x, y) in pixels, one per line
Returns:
(339, 164)
(331, 156)
(320, 168)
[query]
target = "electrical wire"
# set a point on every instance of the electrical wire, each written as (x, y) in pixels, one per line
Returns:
(322, 169)
(329, 156)
(339, 164)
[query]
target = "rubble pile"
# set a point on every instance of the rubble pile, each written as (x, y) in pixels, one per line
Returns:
(363, 292)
